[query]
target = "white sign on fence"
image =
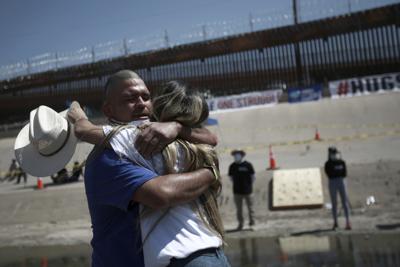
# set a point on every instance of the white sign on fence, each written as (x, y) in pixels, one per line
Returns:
(244, 100)
(365, 85)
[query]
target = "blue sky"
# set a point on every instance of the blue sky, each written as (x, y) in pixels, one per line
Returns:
(30, 28)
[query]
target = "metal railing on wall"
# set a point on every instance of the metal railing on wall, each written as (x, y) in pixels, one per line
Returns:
(308, 10)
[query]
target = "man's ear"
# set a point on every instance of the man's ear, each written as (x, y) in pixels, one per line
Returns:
(107, 110)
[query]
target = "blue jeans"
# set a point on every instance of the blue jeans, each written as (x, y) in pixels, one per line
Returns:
(337, 185)
(211, 257)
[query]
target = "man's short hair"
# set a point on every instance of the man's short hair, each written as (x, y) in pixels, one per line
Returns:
(115, 80)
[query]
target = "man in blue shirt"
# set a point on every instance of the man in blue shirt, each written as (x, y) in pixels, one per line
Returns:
(110, 184)
(115, 186)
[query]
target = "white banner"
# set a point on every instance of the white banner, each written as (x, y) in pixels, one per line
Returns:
(244, 100)
(365, 85)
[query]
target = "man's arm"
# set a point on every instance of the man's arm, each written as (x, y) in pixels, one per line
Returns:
(326, 169)
(83, 128)
(156, 135)
(345, 169)
(174, 189)
(88, 132)
(252, 173)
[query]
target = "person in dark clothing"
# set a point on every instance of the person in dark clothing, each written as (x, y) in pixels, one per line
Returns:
(242, 175)
(60, 177)
(21, 173)
(335, 169)
(12, 171)
(76, 171)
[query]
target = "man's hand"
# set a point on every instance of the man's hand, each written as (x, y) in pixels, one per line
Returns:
(155, 136)
(83, 128)
(76, 113)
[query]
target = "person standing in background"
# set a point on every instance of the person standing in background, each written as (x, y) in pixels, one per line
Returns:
(76, 171)
(335, 169)
(12, 171)
(242, 175)
(20, 173)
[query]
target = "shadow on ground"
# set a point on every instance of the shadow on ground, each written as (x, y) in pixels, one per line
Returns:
(388, 226)
(310, 232)
(47, 185)
(235, 230)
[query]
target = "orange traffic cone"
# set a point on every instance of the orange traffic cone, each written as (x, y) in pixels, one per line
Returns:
(272, 163)
(43, 261)
(39, 183)
(317, 136)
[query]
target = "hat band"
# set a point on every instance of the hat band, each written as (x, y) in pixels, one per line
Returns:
(62, 145)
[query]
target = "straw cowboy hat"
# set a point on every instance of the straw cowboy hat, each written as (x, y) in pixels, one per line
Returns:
(46, 144)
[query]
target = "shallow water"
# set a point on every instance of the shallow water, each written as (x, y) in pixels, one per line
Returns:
(348, 250)
(381, 250)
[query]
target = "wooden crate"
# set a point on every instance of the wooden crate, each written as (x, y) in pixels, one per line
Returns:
(297, 188)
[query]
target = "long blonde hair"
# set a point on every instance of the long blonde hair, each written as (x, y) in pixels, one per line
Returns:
(174, 102)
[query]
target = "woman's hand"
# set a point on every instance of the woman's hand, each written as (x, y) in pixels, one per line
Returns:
(154, 136)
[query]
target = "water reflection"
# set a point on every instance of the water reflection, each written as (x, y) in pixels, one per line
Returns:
(46, 256)
(348, 250)
(248, 251)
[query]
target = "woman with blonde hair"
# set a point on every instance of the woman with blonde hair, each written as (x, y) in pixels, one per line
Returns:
(187, 234)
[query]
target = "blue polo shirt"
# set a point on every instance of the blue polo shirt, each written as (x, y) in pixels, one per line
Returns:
(110, 182)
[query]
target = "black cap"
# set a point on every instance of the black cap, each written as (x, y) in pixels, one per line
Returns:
(238, 151)
(332, 149)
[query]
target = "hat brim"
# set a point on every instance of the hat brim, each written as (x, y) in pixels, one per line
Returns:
(32, 162)
(238, 152)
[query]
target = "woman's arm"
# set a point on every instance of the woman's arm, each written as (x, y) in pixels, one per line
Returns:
(198, 136)
(157, 135)
(83, 128)
(174, 189)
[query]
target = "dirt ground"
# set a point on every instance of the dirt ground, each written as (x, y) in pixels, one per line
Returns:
(365, 129)
(58, 215)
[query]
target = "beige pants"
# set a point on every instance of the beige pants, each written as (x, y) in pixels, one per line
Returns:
(239, 208)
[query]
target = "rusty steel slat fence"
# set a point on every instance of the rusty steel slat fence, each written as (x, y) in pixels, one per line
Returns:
(300, 61)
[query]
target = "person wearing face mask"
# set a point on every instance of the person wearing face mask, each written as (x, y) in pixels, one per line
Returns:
(335, 169)
(242, 173)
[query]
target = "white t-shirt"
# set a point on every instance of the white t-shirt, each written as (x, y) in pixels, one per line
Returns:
(181, 231)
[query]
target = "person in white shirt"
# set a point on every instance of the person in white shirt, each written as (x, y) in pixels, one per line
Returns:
(180, 235)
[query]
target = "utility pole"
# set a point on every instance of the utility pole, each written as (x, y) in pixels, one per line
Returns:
(299, 70)
(295, 16)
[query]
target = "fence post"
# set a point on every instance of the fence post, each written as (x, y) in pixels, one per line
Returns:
(203, 28)
(251, 24)
(28, 67)
(93, 55)
(125, 47)
(166, 39)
